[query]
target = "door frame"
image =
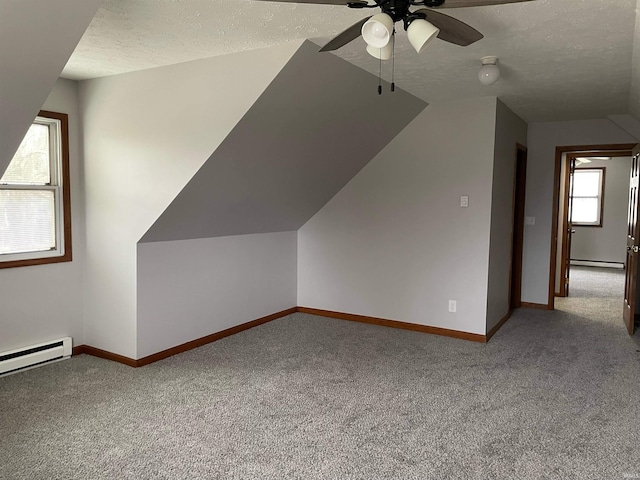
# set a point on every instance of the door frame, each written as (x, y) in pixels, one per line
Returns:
(629, 313)
(567, 227)
(517, 241)
(609, 150)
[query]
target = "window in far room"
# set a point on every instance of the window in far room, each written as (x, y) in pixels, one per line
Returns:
(588, 197)
(35, 217)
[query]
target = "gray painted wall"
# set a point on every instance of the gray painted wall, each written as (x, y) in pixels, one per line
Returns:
(188, 289)
(627, 123)
(510, 130)
(542, 141)
(394, 242)
(146, 134)
(607, 244)
(316, 125)
(44, 302)
(311, 131)
(29, 71)
(282, 150)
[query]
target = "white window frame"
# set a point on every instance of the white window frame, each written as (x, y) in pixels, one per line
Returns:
(599, 197)
(59, 179)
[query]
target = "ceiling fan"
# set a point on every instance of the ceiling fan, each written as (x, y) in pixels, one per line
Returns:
(422, 25)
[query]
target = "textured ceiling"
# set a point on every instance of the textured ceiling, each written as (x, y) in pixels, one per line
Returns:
(560, 59)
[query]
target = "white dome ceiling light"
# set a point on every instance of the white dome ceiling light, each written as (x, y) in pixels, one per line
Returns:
(489, 73)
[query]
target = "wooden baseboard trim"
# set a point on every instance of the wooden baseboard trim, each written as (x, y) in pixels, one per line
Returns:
(537, 306)
(213, 337)
(98, 352)
(199, 342)
(473, 337)
(499, 325)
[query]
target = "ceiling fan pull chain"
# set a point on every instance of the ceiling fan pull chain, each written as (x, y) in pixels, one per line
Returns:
(393, 60)
(380, 76)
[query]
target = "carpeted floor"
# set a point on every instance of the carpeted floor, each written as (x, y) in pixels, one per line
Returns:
(594, 282)
(554, 395)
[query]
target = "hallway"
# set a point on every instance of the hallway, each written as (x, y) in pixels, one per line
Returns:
(596, 297)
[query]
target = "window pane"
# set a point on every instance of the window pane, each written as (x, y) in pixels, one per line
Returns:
(27, 221)
(585, 210)
(586, 183)
(30, 165)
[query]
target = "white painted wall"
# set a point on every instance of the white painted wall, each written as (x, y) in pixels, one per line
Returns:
(394, 242)
(44, 302)
(608, 243)
(510, 130)
(634, 90)
(188, 289)
(37, 38)
(146, 134)
(543, 138)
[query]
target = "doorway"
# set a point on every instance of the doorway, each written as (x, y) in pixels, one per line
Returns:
(586, 156)
(520, 182)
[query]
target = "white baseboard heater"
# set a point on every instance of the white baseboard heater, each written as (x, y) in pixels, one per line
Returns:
(596, 263)
(35, 355)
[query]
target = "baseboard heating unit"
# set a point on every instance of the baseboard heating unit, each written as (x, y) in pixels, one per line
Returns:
(35, 355)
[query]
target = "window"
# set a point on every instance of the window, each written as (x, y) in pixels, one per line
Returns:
(35, 217)
(588, 197)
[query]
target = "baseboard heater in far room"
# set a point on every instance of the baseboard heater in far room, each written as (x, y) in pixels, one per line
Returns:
(35, 355)
(596, 263)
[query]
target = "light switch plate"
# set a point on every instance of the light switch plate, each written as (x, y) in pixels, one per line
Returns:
(464, 201)
(529, 220)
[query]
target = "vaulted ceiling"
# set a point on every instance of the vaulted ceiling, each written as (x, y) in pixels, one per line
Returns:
(295, 162)
(36, 39)
(560, 60)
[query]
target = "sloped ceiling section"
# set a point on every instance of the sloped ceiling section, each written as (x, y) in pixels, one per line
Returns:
(37, 38)
(628, 123)
(312, 130)
(634, 94)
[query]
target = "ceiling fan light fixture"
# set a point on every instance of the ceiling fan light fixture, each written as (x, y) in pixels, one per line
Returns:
(489, 73)
(383, 53)
(420, 33)
(377, 30)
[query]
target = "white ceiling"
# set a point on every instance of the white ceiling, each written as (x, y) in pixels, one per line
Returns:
(560, 59)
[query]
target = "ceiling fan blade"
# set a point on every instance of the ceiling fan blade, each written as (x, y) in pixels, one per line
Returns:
(452, 30)
(321, 2)
(476, 3)
(350, 34)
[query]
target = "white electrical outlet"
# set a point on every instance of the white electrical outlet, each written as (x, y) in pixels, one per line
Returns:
(452, 306)
(464, 201)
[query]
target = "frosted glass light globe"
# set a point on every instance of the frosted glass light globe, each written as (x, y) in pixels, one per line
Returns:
(489, 73)
(383, 53)
(378, 30)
